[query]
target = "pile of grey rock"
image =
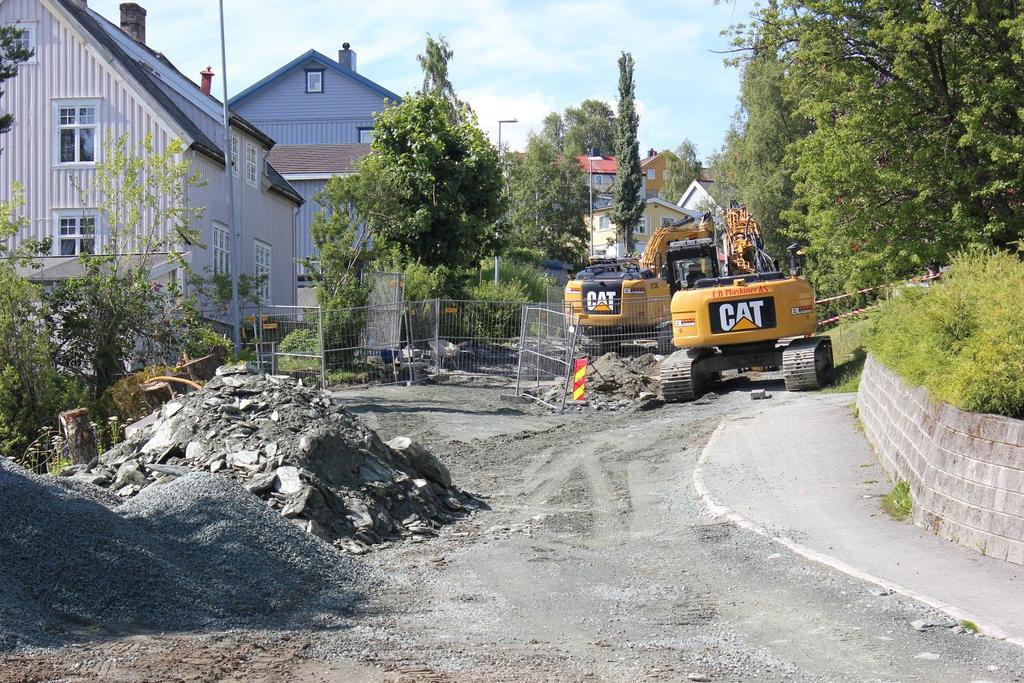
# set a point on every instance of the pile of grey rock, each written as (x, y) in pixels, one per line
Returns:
(616, 383)
(298, 450)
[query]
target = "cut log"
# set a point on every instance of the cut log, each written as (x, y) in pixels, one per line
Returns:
(78, 435)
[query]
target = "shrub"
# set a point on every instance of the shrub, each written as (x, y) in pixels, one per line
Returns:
(304, 342)
(962, 338)
(203, 340)
(898, 502)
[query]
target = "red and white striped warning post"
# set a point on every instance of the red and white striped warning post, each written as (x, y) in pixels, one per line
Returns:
(579, 380)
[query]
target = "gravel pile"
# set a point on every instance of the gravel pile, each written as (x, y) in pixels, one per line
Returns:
(199, 552)
(617, 382)
(309, 459)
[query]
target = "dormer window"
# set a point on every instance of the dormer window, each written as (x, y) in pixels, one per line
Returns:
(314, 80)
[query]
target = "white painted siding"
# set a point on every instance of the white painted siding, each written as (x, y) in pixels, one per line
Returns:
(65, 67)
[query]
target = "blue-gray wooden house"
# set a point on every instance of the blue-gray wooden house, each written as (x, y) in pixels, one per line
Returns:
(320, 113)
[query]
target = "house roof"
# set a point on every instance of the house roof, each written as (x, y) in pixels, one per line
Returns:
(326, 62)
(327, 159)
(118, 43)
(657, 201)
(602, 165)
(647, 161)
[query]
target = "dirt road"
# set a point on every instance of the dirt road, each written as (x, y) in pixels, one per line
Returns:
(593, 563)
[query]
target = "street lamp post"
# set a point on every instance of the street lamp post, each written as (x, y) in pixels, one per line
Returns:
(234, 230)
(497, 259)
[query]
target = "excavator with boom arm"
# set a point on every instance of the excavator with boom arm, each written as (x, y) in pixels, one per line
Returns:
(616, 301)
(732, 309)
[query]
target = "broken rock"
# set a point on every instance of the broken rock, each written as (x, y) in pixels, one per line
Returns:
(422, 460)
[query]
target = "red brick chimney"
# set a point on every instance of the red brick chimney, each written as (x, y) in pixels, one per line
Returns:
(207, 83)
(133, 21)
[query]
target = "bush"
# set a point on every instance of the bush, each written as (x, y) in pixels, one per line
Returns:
(963, 337)
(203, 340)
(529, 278)
(304, 342)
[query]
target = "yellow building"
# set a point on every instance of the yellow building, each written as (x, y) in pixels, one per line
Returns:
(657, 213)
(653, 166)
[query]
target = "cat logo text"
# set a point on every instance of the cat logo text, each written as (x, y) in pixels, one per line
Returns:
(742, 316)
(601, 302)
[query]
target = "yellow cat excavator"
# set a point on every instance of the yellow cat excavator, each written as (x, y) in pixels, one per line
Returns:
(616, 301)
(732, 308)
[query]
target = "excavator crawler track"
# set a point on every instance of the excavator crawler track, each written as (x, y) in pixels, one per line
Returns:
(807, 363)
(680, 380)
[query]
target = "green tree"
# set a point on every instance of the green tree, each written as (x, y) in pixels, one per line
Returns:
(12, 53)
(589, 126)
(629, 205)
(553, 131)
(31, 391)
(549, 198)
(753, 165)
(430, 192)
(112, 315)
(434, 62)
(682, 167)
(916, 139)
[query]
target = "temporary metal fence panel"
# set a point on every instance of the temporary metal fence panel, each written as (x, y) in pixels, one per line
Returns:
(480, 337)
(631, 325)
(286, 340)
(547, 354)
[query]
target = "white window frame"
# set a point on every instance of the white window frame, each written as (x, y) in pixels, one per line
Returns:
(652, 174)
(77, 126)
(235, 147)
(220, 248)
(262, 260)
(252, 164)
(368, 133)
(604, 223)
(31, 31)
(642, 227)
(319, 73)
(67, 227)
(666, 221)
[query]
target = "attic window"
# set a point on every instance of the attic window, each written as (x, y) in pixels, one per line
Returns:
(314, 80)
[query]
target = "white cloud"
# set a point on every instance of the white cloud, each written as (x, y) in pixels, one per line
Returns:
(513, 58)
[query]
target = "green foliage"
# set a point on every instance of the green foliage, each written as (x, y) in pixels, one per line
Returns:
(629, 205)
(524, 278)
(302, 342)
(549, 202)
(434, 62)
(590, 126)
(203, 339)
(963, 337)
(915, 144)
(495, 311)
(112, 315)
(31, 391)
(848, 350)
(683, 166)
(898, 502)
(11, 55)
(431, 191)
(753, 167)
(969, 626)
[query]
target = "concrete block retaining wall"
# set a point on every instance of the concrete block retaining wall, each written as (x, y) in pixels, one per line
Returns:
(965, 470)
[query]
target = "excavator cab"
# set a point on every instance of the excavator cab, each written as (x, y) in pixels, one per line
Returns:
(690, 261)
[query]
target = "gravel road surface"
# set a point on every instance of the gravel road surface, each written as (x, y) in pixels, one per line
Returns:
(593, 562)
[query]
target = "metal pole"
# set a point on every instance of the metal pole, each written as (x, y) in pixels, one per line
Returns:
(496, 258)
(437, 336)
(590, 158)
(323, 350)
(233, 229)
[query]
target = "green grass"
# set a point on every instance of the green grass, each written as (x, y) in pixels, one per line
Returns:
(968, 625)
(848, 340)
(963, 337)
(898, 502)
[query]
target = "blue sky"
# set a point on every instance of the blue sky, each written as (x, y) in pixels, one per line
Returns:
(513, 59)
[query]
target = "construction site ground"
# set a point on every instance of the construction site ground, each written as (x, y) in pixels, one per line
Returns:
(594, 561)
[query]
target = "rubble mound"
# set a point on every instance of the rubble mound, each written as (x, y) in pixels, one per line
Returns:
(311, 460)
(199, 552)
(616, 382)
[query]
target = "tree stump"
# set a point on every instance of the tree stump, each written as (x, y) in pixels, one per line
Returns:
(78, 435)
